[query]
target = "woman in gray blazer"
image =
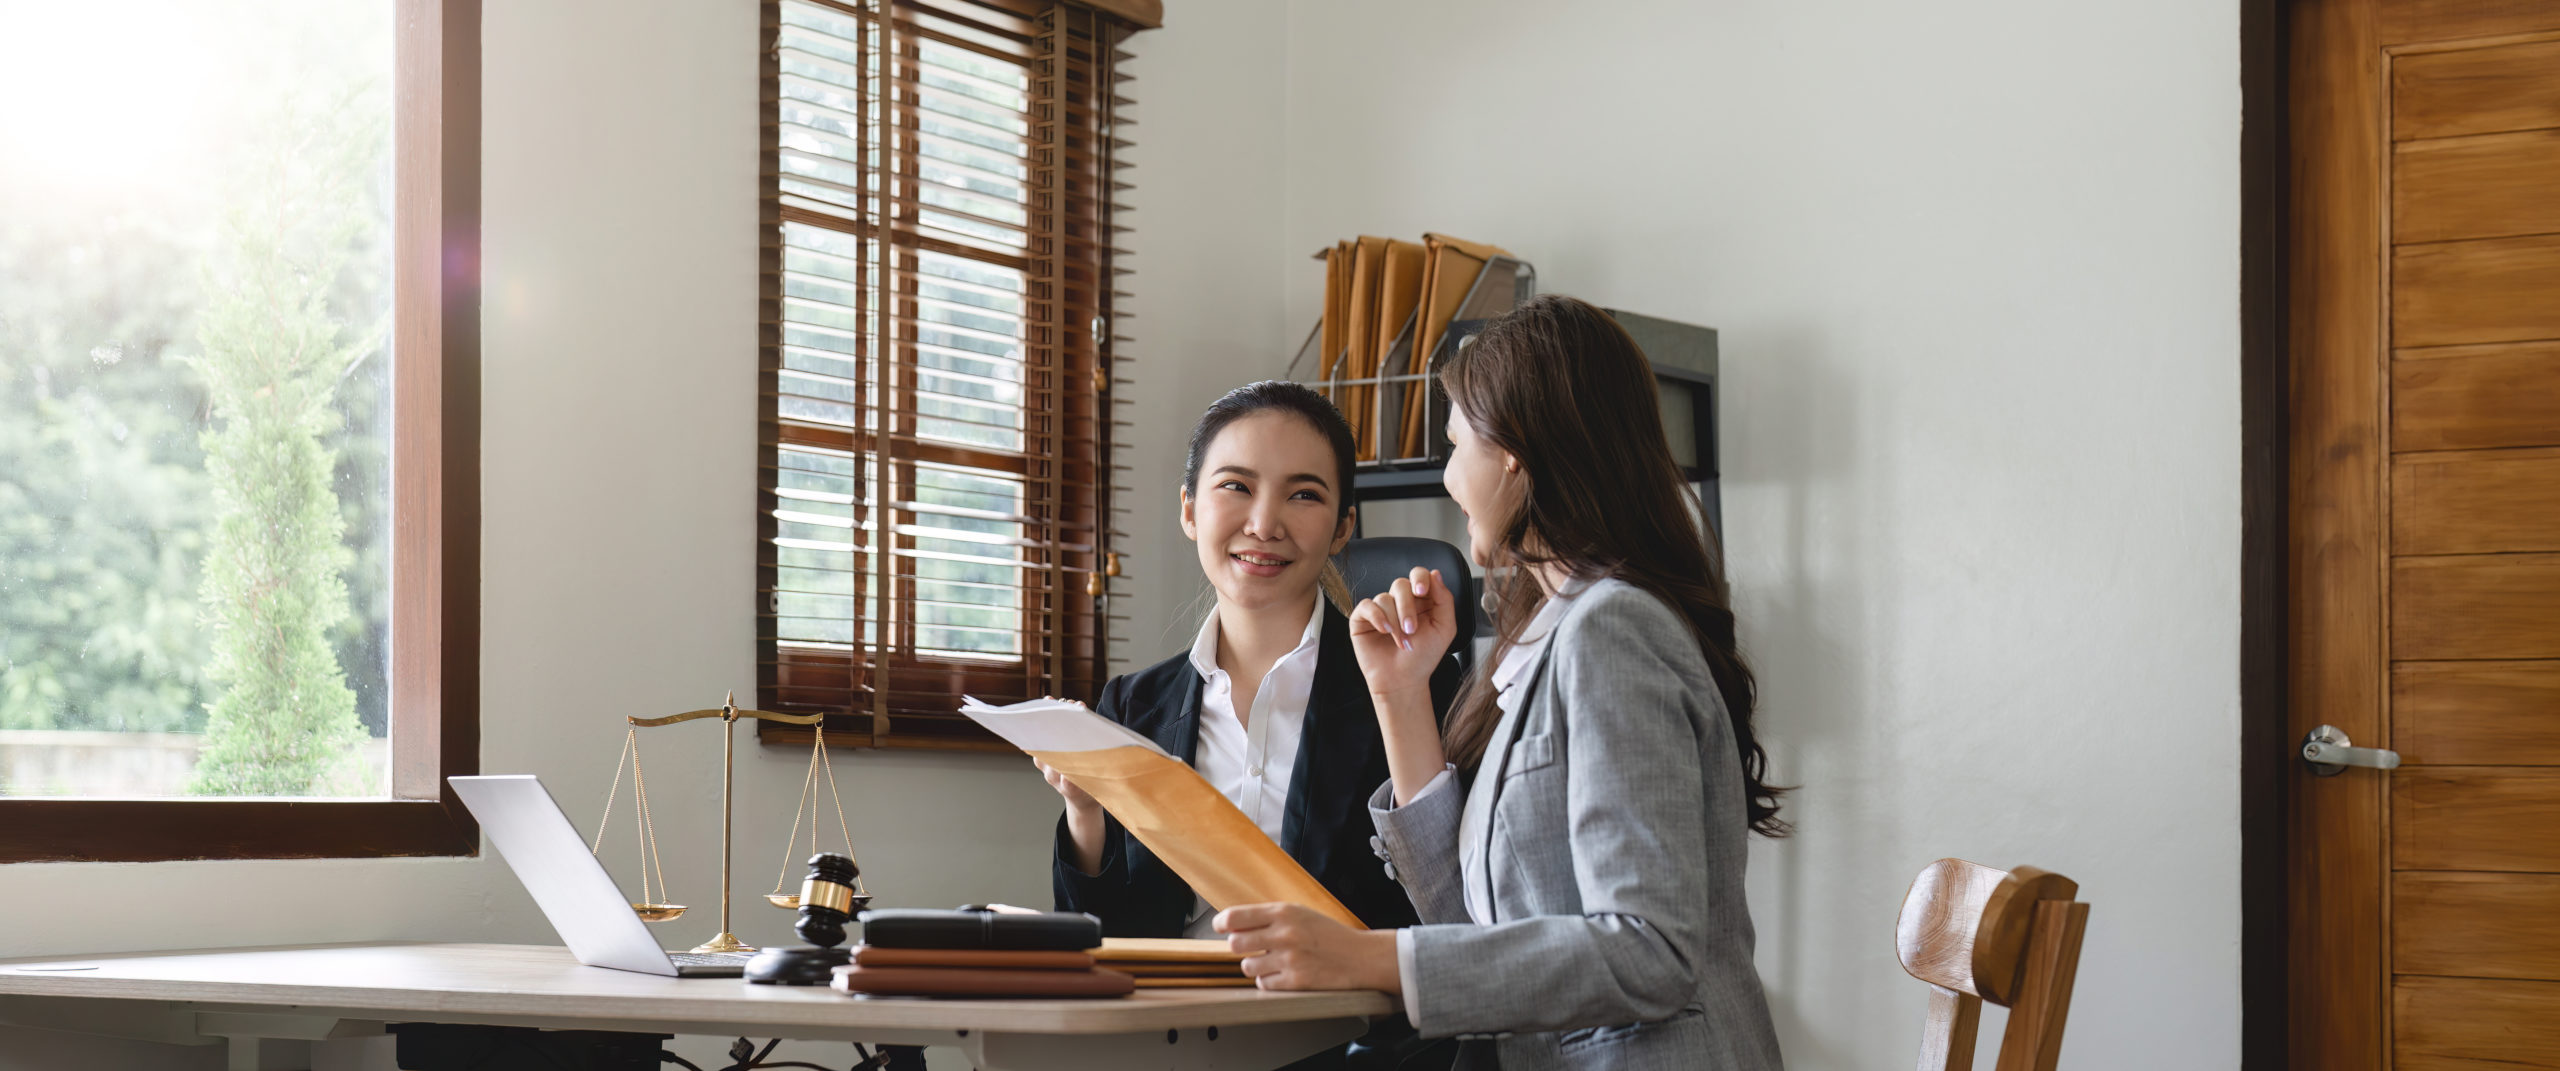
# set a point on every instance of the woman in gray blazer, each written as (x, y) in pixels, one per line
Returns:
(1574, 842)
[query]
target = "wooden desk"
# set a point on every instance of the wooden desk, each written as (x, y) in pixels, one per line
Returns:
(333, 991)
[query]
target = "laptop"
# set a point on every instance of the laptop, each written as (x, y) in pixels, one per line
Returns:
(570, 884)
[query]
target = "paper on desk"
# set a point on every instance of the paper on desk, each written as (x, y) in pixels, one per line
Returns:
(1162, 802)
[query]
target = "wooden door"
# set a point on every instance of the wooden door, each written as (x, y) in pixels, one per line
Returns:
(2423, 306)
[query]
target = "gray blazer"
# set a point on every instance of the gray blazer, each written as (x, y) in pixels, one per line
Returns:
(1606, 827)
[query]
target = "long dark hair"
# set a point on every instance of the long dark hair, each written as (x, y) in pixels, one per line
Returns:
(1296, 399)
(1554, 383)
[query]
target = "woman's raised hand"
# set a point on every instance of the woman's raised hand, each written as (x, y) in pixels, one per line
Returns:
(1402, 632)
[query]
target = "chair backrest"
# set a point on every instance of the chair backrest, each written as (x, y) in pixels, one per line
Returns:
(2010, 937)
(1369, 566)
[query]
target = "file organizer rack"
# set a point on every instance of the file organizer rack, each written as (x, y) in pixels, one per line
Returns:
(1503, 285)
(1684, 358)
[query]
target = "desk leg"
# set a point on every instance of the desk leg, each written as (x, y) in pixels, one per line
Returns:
(1251, 1047)
(454, 1047)
(277, 1042)
(268, 1054)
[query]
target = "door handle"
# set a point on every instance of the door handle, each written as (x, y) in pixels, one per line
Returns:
(2329, 752)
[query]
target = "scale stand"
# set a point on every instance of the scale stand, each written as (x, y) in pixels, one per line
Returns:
(728, 713)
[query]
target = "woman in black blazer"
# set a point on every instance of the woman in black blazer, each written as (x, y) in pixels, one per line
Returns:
(1266, 500)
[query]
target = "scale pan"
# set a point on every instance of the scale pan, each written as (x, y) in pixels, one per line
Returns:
(658, 912)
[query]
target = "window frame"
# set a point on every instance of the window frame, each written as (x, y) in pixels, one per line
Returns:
(435, 572)
(1069, 275)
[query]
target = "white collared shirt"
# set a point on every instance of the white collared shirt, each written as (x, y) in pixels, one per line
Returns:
(1252, 761)
(1523, 655)
(1510, 680)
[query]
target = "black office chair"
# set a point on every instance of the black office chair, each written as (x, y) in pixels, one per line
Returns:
(1369, 566)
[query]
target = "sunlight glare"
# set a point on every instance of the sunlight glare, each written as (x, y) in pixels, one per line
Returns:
(104, 101)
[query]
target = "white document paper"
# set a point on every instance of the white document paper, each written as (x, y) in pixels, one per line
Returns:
(1054, 725)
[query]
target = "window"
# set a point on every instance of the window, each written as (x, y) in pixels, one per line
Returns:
(246, 299)
(936, 359)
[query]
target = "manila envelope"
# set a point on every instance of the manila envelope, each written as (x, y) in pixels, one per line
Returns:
(1200, 834)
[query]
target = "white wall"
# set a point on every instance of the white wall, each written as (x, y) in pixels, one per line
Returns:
(1975, 270)
(1211, 268)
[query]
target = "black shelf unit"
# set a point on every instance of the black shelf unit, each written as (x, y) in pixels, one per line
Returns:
(1684, 363)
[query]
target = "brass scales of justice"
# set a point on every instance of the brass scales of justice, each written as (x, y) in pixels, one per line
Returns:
(653, 908)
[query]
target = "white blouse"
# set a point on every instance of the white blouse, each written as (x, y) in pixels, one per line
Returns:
(1251, 761)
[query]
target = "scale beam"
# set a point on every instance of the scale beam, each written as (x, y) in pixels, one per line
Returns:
(732, 713)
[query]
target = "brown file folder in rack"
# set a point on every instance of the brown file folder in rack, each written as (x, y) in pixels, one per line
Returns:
(1379, 371)
(1359, 365)
(1452, 267)
(1400, 280)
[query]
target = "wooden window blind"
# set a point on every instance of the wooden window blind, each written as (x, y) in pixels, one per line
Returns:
(936, 357)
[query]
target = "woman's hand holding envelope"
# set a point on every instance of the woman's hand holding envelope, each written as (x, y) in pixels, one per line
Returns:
(1084, 819)
(1286, 946)
(1076, 798)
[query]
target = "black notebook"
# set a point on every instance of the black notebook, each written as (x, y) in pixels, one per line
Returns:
(919, 928)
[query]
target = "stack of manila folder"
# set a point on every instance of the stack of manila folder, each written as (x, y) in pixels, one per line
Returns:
(1173, 962)
(978, 972)
(1374, 288)
(1119, 966)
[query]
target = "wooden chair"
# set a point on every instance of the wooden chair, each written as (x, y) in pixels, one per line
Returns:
(2011, 937)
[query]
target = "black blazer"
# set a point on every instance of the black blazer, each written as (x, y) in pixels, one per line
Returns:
(1341, 760)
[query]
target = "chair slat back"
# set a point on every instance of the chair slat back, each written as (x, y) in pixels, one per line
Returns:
(2034, 1038)
(2010, 937)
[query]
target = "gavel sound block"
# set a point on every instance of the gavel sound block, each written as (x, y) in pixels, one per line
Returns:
(827, 902)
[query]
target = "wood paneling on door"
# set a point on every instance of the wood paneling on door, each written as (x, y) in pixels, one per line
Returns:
(2476, 502)
(2472, 397)
(2473, 1024)
(2475, 925)
(2476, 91)
(2492, 290)
(2476, 818)
(2489, 186)
(2476, 606)
(2413, 21)
(2476, 713)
